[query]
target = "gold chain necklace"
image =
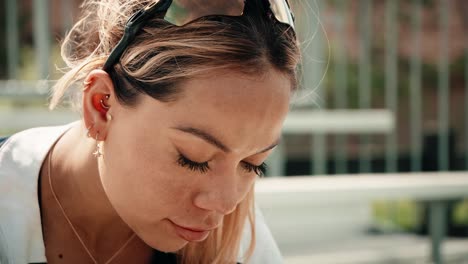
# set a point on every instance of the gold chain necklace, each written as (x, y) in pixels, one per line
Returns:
(71, 225)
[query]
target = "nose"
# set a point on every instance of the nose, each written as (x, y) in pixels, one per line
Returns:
(220, 194)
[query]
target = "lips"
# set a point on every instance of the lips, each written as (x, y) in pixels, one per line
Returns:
(190, 234)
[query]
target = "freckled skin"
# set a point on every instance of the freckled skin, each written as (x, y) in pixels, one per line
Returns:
(140, 185)
(140, 173)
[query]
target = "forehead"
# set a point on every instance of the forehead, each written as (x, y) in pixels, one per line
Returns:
(243, 111)
(232, 93)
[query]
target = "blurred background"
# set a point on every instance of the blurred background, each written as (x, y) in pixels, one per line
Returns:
(384, 93)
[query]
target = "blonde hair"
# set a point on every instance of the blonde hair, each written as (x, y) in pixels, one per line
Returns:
(161, 57)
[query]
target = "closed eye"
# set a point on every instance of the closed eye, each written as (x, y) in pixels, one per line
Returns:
(192, 165)
(203, 167)
(260, 170)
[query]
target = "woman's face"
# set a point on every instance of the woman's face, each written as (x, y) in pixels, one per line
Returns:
(170, 167)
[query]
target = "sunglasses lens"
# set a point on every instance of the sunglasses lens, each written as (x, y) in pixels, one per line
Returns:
(182, 12)
(280, 9)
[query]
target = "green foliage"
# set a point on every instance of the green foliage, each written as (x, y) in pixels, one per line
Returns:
(405, 215)
(460, 213)
(28, 64)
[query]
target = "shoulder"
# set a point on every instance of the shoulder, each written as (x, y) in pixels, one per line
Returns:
(22, 154)
(21, 158)
(266, 250)
(21, 147)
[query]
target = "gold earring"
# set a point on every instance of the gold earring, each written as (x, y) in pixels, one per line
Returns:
(97, 153)
(108, 116)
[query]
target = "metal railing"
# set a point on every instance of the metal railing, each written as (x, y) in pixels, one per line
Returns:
(295, 197)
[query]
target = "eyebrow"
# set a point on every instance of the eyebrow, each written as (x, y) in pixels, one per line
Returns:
(214, 141)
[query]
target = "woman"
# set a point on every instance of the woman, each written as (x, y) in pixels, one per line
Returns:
(179, 114)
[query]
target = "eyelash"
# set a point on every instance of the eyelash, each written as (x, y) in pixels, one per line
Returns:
(259, 170)
(203, 167)
(192, 165)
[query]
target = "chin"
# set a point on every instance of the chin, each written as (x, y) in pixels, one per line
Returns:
(168, 246)
(162, 237)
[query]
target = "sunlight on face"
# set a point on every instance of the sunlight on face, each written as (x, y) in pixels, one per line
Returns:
(190, 162)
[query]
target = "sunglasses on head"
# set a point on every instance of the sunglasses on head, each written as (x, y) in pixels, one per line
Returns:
(182, 12)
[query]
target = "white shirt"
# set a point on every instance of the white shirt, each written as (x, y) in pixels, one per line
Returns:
(21, 240)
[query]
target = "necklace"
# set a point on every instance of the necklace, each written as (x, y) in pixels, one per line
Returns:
(71, 225)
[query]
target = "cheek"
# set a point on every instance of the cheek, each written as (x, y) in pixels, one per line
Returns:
(247, 187)
(141, 181)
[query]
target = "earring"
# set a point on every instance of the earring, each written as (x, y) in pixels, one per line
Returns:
(108, 116)
(103, 104)
(97, 153)
(88, 129)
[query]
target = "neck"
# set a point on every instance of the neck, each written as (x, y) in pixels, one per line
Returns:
(77, 185)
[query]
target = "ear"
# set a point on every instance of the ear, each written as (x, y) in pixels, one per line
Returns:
(98, 99)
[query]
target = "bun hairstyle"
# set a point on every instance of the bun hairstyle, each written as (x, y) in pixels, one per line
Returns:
(161, 57)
